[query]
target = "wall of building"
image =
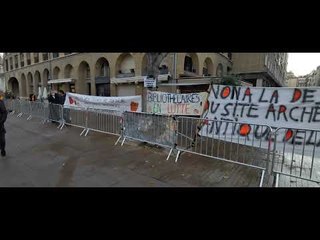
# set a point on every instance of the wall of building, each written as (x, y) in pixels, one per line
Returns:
(271, 67)
(313, 78)
(248, 62)
(2, 77)
(30, 77)
(292, 82)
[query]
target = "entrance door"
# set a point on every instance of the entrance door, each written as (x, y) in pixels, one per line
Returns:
(103, 89)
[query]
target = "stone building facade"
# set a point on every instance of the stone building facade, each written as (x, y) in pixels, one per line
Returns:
(108, 74)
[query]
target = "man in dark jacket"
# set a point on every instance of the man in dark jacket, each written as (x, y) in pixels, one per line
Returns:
(3, 118)
(61, 97)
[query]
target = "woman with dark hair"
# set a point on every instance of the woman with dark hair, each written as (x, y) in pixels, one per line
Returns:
(32, 98)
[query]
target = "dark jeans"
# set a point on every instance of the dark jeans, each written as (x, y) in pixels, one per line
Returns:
(2, 140)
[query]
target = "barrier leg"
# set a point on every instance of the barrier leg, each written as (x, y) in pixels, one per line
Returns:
(83, 131)
(123, 141)
(276, 180)
(262, 178)
(178, 155)
(87, 132)
(117, 140)
(169, 154)
(61, 125)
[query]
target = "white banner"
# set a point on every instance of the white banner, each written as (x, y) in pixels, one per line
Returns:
(275, 107)
(120, 104)
(176, 104)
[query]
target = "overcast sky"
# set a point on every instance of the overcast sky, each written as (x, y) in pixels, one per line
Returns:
(303, 63)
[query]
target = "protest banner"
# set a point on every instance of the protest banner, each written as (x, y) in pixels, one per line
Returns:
(289, 108)
(118, 104)
(176, 104)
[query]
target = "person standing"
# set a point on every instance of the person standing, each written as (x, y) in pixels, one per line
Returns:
(3, 118)
(66, 111)
(53, 100)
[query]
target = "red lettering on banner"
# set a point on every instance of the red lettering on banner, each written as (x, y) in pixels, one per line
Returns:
(296, 95)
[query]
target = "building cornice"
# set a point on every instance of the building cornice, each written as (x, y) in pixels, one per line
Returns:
(42, 62)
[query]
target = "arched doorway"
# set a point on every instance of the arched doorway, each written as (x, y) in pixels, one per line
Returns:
(30, 89)
(83, 84)
(69, 73)
(13, 85)
(219, 71)
(102, 77)
(125, 66)
(23, 85)
(56, 73)
(191, 63)
(207, 67)
(37, 81)
(45, 77)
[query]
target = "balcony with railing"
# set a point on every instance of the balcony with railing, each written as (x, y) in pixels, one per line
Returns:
(126, 74)
(102, 79)
(190, 73)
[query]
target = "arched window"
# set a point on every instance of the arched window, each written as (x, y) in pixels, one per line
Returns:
(188, 64)
(125, 66)
(219, 72)
(207, 67)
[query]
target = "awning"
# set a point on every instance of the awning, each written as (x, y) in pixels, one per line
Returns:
(161, 77)
(63, 80)
(184, 84)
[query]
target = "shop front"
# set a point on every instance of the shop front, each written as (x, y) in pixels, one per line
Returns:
(66, 84)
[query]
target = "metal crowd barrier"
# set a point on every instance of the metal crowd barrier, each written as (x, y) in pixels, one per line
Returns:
(296, 153)
(282, 151)
(16, 106)
(53, 113)
(25, 109)
(9, 104)
(225, 140)
(37, 110)
(104, 121)
(76, 117)
(150, 128)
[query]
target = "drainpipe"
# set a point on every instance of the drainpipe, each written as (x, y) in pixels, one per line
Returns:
(175, 69)
(50, 72)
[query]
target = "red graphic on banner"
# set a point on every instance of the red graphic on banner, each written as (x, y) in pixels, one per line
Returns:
(71, 101)
(245, 129)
